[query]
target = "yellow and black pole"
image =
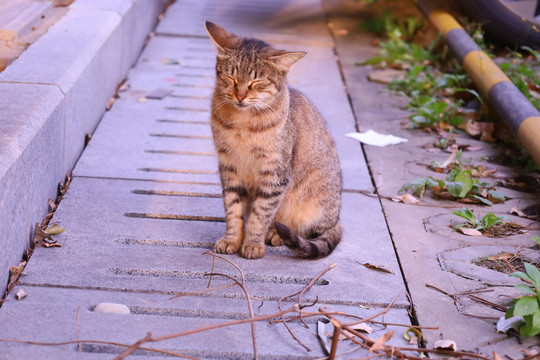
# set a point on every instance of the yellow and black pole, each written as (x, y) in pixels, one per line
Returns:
(515, 110)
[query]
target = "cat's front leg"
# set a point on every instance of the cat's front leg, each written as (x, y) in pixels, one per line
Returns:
(261, 217)
(234, 199)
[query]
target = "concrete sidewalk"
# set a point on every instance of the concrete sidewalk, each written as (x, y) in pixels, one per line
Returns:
(145, 203)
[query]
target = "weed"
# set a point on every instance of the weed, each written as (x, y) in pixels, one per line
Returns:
(528, 305)
(459, 185)
(488, 221)
(536, 239)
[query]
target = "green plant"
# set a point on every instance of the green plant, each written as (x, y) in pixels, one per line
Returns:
(458, 185)
(433, 112)
(537, 239)
(528, 305)
(488, 221)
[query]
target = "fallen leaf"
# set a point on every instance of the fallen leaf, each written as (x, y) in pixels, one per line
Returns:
(470, 232)
(363, 327)
(450, 159)
(142, 100)
(445, 345)
(21, 294)
(110, 103)
(54, 229)
(383, 268)
(60, 3)
(385, 76)
(321, 326)
(516, 211)
(341, 32)
(40, 235)
(496, 356)
(504, 256)
(406, 199)
(124, 87)
(170, 61)
(379, 344)
(52, 205)
(515, 322)
(15, 273)
(48, 245)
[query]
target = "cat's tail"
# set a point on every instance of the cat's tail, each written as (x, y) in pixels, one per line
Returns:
(318, 247)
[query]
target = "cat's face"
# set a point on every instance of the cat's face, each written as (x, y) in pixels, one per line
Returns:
(250, 73)
(247, 82)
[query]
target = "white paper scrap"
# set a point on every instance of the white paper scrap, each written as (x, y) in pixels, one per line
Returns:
(372, 137)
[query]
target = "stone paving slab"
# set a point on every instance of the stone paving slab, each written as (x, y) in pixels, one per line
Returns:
(160, 315)
(423, 239)
(142, 208)
(124, 255)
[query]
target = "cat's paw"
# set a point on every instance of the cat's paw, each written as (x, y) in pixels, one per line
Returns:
(272, 238)
(252, 251)
(227, 246)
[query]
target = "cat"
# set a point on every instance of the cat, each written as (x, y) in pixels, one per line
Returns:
(278, 164)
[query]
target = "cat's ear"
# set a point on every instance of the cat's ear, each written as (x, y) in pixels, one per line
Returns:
(221, 38)
(285, 60)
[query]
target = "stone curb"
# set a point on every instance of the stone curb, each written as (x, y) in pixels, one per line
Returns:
(52, 96)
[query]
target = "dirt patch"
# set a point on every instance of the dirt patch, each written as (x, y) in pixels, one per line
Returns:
(505, 263)
(504, 229)
(529, 183)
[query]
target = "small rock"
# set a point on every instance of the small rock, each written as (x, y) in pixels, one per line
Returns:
(21, 294)
(112, 308)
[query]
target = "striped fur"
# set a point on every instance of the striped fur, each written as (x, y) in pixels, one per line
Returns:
(277, 160)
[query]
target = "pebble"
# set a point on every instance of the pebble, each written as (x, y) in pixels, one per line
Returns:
(112, 308)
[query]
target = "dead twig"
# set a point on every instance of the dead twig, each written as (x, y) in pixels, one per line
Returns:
(203, 291)
(335, 339)
(307, 287)
(133, 347)
(78, 329)
(248, 297)
(489, 303)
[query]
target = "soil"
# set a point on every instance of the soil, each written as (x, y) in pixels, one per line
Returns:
(514, 263)
(504, 229)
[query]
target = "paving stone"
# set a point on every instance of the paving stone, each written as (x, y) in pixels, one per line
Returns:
(150, 232)
(421, 234)
(136, 226)
(157, 314)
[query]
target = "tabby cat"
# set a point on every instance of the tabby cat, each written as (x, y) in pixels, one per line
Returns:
(277, 161)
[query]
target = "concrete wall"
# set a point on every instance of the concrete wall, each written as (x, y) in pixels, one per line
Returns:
(51, 97)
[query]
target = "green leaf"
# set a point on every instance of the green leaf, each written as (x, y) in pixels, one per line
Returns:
(534, 275)
(454, 188)
(521, 275)
(497, 195)
(527, 305)
(465, 178)
(482, 200)
(510, 312)
(490, 219)
(527, 290)
(467, 214)
(532, 325)
(372, 61)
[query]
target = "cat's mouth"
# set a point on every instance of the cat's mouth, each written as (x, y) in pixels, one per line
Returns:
(241, 105)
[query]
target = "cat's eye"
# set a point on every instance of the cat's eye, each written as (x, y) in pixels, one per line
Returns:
(254, 83)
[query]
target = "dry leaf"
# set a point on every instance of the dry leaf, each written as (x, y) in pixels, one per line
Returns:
(504, 256)
(40, 235)
(445, 345)
(60, 3)
(406, 199)
(110, 103)
(496, 356)
(450, 158)
(385, 76)
(363, 327)
(142, 100)
(52, 205)
(15, 273)
(379, 344)
(48, 245)
(21, 294)
(470, 232)
(383, 268)
(413, 341)
(516, 211)
(54, 230)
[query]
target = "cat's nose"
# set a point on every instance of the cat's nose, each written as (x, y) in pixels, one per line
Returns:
(240, 97)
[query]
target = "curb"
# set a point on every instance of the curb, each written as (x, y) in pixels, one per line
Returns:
(52, 96)
(515, 110)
